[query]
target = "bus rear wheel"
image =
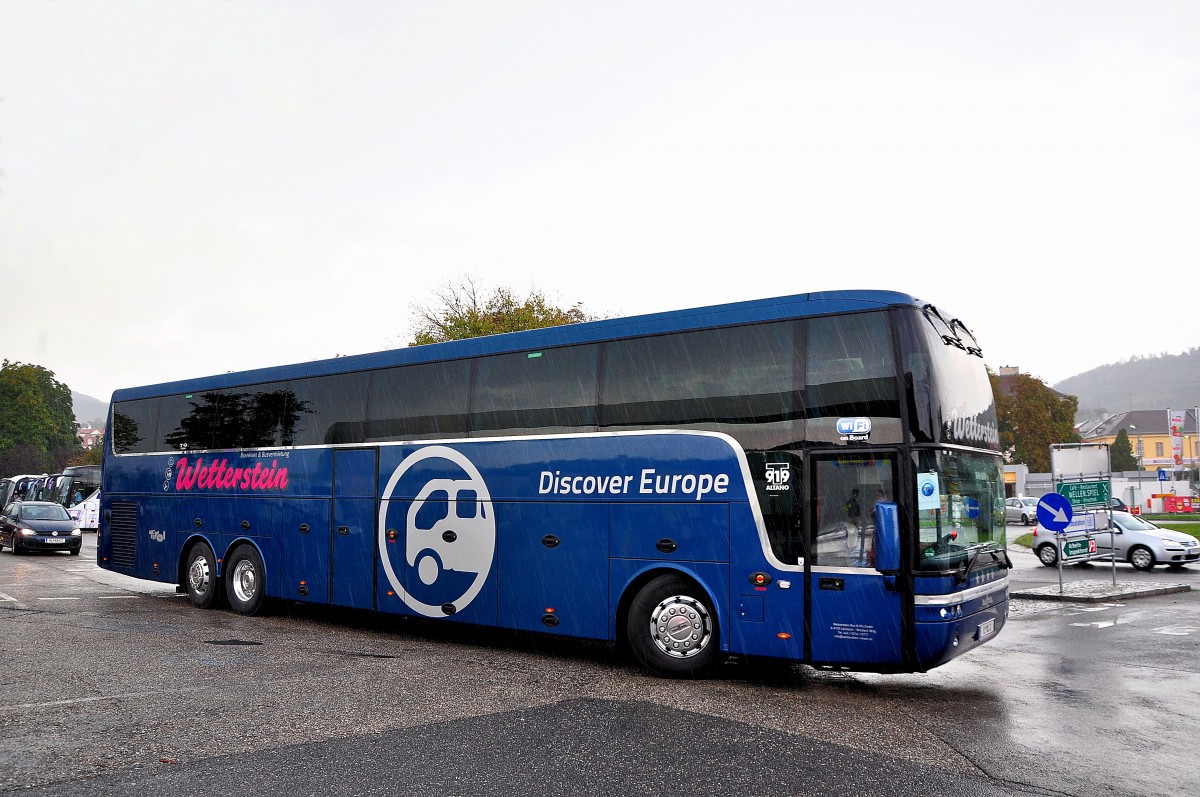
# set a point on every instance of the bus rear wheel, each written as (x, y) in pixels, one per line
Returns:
(672, 628)
(245, 586)
(200, 576)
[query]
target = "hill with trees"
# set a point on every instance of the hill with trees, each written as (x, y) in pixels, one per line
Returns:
(88, 410)
(1141, 383)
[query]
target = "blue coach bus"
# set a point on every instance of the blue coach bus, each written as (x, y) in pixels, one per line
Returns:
(813, 478)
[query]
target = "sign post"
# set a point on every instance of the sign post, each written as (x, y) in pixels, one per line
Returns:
(1054, 513)
(1083, 477)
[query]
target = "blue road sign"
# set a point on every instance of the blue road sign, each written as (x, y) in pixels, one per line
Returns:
(1162, 475)
(1054, 512)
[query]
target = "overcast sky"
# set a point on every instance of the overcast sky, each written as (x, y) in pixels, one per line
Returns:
(196, 187)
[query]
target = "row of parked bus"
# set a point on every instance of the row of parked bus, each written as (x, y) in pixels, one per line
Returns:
(77, 489)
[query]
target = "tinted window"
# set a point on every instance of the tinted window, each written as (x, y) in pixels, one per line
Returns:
(325, 409)
(134, 426)
(947, 387)
(253, 417)
(187, 421)
(738, 380)
(851, 374)
(535, 392)
(419, 402)
(848, 488)
(301, 412)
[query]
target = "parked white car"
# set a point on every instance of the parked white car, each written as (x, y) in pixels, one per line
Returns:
(1021, 509)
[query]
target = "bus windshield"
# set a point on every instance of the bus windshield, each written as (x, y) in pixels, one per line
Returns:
(75, 484)
(960, 506)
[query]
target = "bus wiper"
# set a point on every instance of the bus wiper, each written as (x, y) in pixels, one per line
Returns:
(964, 575)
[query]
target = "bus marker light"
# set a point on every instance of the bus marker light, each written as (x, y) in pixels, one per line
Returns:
(391, 594)
(392, 535)
(784, 635)
(549, 610)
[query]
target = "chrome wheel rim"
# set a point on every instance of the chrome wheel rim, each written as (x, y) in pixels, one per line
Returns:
(245, 580)
(199, 575)
(680, 626)
(1141, 559)
(1047, 555)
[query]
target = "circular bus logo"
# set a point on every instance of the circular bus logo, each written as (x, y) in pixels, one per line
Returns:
(449, 538)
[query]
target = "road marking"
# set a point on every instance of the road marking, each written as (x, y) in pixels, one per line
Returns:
(1175, 630)
(4, 597)
(98, 698)
(60, 599)
(115, 597)
(1125, 619)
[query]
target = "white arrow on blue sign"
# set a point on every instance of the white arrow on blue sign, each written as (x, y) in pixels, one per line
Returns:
(1054, 512)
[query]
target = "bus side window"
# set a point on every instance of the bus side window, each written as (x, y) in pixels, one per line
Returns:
(415, 402)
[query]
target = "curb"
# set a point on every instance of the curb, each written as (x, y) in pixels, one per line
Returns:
(1098, 591)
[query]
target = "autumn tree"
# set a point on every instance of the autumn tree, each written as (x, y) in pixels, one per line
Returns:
(35, 409)
(463, 310)
(1032, 417)
(1121, 455)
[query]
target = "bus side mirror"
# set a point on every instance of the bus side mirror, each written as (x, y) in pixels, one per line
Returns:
(887, 538)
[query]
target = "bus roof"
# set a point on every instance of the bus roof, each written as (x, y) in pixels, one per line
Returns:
(754, 311)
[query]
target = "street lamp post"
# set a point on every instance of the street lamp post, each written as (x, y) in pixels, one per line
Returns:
(1141, 465)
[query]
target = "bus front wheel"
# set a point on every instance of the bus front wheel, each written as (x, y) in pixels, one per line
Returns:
(672, 628)
(200, 576)
(244, 584)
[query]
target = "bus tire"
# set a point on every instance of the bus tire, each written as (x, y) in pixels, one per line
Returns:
(200, 576)
(672, 628)
(245, 581)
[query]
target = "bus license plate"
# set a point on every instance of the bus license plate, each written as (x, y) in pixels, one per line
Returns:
(986, 629)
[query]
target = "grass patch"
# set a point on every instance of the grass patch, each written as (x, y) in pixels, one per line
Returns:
(1024, 539)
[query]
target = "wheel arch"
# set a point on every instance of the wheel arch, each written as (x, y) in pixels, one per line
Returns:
(185, 550)
(650, 572)
(262, 556)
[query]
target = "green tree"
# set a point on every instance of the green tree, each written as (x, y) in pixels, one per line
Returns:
(1121, 453)
(88, 456)
(464, 310)
(35, 409)
(1032, 417)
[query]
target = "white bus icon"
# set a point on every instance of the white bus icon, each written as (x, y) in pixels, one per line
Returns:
(460, 540)
(449, 525)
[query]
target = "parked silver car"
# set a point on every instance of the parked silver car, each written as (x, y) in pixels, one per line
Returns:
(1138, 542)
(1021, 509)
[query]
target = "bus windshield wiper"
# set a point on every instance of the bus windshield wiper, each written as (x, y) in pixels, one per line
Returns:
(964, 575)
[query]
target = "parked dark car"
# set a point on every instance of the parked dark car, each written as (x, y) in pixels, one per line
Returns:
(38, 526)
(1117, 505)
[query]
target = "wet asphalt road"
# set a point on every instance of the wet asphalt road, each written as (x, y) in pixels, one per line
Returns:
(114, 686)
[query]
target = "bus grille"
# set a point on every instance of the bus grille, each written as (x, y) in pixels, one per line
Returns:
(123, 532)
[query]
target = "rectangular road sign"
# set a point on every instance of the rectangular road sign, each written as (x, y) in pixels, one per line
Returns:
(1084, 521)
(1078, 547)
(1082, 494)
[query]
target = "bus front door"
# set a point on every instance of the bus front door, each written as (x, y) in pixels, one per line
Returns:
(766, 594)
(353, 528)
(855, 611)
